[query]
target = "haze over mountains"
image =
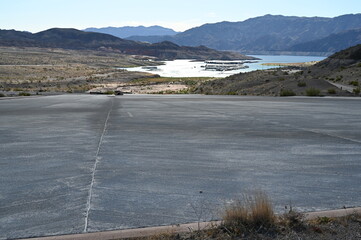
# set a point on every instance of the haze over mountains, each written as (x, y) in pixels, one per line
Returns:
(272, 33)
(124, 32)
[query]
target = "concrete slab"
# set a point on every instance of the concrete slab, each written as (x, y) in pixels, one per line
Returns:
(80, 163)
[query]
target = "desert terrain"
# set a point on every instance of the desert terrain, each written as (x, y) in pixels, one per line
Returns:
(45, 71)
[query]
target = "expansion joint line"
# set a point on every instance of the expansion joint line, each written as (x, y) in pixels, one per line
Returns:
(90, 193)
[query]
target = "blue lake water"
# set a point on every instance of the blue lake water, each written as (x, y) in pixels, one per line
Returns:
(189, 68)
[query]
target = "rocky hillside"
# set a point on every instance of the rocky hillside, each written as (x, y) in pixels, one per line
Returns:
(333, 43)
(79, 40)
(342, 59)
(337, 75)
(266, 33)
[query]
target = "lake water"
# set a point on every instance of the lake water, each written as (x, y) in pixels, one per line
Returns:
(189, 68)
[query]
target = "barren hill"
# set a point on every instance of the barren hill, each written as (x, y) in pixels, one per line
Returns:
(337, 75)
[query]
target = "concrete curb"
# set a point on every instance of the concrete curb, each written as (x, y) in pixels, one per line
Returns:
(131, 233)
(333, 213)
(181, 228)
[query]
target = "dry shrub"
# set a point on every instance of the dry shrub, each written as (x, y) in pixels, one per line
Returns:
(292, 220)
(252, 213)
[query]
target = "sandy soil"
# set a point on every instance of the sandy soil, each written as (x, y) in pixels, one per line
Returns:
(36, 70)
(300, 64)
(142, 89)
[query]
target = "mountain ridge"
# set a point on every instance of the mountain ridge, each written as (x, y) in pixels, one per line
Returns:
(69, 38)
(332, 43)
(264, 33)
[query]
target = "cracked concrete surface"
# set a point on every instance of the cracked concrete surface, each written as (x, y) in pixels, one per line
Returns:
(159, 152)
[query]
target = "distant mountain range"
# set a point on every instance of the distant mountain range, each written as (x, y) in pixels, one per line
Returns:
(76, 39)
(124, 32)
(271, 33)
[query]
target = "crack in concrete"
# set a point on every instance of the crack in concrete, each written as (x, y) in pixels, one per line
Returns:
(287, 125)
(88, 204)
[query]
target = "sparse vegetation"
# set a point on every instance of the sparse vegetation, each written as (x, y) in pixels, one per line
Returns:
(166, 85)
(24, 94)
(181, 91)
(251, 217)
(331, 91)
(354, 83)
(56, 70)
(357, 91)
(17, 89)
(192, 82)
(109, 92)
(287, 93)
(323, 220)
(291, 220)
(339, 78)
(301, 84)
(313, 92)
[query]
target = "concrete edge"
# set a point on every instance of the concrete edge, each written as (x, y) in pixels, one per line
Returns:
(179, 228)
(333, 213)
(26, 97)
(131, 233)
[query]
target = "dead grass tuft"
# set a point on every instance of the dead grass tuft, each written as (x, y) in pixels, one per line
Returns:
(252, 213)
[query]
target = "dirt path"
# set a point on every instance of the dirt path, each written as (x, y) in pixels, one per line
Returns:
(348, 88)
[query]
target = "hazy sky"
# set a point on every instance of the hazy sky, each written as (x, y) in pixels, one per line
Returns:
(38, 15)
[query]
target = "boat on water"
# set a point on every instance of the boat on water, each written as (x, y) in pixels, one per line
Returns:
(217, 65)
(150, 68)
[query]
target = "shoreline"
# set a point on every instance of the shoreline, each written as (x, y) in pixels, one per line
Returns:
(299, 64)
